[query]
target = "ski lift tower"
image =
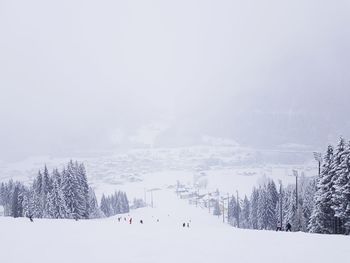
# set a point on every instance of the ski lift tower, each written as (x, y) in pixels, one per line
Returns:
(295, 173)
(318, 158)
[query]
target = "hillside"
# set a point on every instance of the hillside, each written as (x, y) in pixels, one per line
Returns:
(206, 240)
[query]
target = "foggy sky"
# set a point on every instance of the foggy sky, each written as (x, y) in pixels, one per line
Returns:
(89, 75)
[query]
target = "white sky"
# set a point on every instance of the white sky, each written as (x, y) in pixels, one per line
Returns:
(75, 73)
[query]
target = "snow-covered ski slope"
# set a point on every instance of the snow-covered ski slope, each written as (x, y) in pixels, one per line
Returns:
(206, 240)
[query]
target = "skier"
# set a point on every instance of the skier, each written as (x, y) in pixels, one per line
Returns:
(289, 227)
(184, 224)
(30, 218)
(130, 220)
(141, 222)
(119, 219)
(279, 228)
(188, 224)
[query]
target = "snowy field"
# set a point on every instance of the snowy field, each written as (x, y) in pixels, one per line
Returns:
(206, 240)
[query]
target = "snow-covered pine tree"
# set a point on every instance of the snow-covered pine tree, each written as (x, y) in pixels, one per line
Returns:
(125, 202)
(38, 188)
(56, 206)
(45, 189)
(291, 215)
(26, 202)
(83, 190)
(245, 214)
(116, 203)
(254, 204)
(233, 211)
(35, 208)
(322, 217)
(22, 193)
(287, 193)
(262, 208)
(340, 195)
(271, 202)
(69, 188)
(308, 203)
(15, 202)
(5, 197)
(58, 177)
(2, 194)
(279, 204)
(104, 205)
(139, 203)
(94, 211)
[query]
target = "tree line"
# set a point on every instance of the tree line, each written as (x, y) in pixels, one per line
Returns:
(323, 204)
(270, 206)
(59, 194)
(114, 204)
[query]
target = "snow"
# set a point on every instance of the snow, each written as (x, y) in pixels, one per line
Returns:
(139, 171)
(116, 168)
(207, 239)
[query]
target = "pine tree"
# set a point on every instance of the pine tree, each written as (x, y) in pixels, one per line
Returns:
(340, 198)
(125, 203)
(94, 211)
(15, 202)
(105, 208)
(2, 194)
(254, 203)
(263, 220)
(69, 188)
(45, 189)
(271, 202)
(292, 216)
(34, 206)
(38, 184)
(83, 191)
(56, 206)
(322, 217)
(233, 211)
(308, 204)
(245, 214)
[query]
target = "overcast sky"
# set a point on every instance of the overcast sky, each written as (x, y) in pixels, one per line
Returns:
(89, 75)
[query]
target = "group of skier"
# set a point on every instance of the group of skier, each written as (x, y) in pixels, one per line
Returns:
(184, 224)
(129, 219)
(288, 227)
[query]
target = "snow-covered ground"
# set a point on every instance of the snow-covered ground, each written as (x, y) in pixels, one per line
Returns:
(206, 240)
(137, 172)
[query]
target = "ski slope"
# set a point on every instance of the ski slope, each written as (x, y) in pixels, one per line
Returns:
(206, 240)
